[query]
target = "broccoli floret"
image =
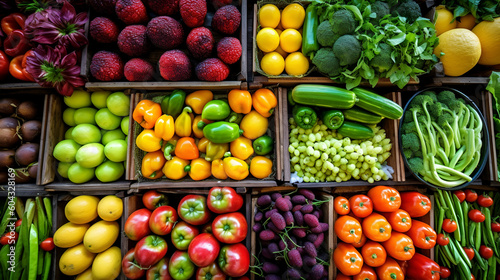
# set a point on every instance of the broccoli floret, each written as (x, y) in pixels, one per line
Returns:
(445, 96)
(347, 49)
(326, 62)
(416, 164)
(380, 9)
(431, 94)
(383, 61)
(436, 109)
(325, 35)
(410, 141)
(409, 127)
(407, 153)
(410, 10)
(343, 22)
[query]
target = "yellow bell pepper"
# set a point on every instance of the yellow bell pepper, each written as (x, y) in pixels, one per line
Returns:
(164, 127)
(235, 168)
(151, 166)
(254, 125)
(198, 133)
(183, 123)
(240, 101)
(202, 145)
(241, 148)
(218, 169)
(197, 100)
(148, 141)
(215, 151)
(175, 168)
(168, 147)
(199, 169)
(261, 167)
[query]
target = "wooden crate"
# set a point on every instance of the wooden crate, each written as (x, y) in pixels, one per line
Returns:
(134, 202)
(55, 129)
(186, 182)
(391, 129)
(59, 219)
(328, 217)
(491, 170)
(238, 71)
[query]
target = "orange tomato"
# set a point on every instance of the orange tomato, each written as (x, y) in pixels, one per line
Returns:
(373, 254)
(385, 199)
(400, 220)
(361, 205)
(341, 205)
(399, 246)
(390, 270)
(367, 273)
(377, 228)
(347, 259)
(341, 276)
(361, 242)
(348, 229)
(423, 235)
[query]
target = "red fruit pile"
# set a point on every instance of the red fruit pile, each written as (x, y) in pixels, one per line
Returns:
(177, 27)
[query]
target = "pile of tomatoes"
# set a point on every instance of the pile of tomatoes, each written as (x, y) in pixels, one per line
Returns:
(379, 235)
(179, 243)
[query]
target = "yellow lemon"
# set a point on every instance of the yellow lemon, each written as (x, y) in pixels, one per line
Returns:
(86, 275)
(272, 64)
(488, 33)
(296, 64)
(267, 39)
(290, 40)
(110, 208)
(468, 22)
(292, 16)
(444, 20)
(81, 209)
(69, 235)
(269, 16)
(459, 50)
(75, 260)
(108, 264)
(100, 236)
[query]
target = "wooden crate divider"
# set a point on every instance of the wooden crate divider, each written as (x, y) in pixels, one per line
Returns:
(491, 170)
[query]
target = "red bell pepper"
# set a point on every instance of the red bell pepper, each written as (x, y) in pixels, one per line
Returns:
(16, 44)
(14, 21)
(422, 234)
(421, 267)
(224, 200)
(230, 228)
(24, 64)
(130, 267)
(415, 203)
(16, 68)
(153, 199)
(4, 65)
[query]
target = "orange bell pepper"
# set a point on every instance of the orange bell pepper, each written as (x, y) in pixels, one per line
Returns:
(175, 168)
(367, 273)
(199, 169)
(235, 168)
(400, 220)
(240, 101)
(348, 229)
(197, 100)
(399, 246)
(241, 148)
(361, 242)
(24, 63)
(373, 253)
(148, 141)
(146, 113)
(186, 149)
(377, 228)
(152, 163)
(202, 145)
(254, 125)
(341, 276)
(164, 127)
(347, 259)
(16, 68)
(390, 270)
(183, 123)
(198, 133)
(264, 101)
(261, 167)
(218, 169)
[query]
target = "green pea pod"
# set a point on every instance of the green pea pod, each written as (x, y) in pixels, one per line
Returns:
(465, 211)
(40, 261)
(477, 241)
(263, 145)
(46, 265)
(492, 269)
(472, 232)
(480, 261)
(42, 220)
(222, 132)
(48, 209)
(309, 42)
(333, 119)
(215, 110)
(461, 251)
(448, 254)
(172, 104)
(33, 253)
(234, 117)
(19, 207)
(489, 240)
(460, 218)
(304, 116)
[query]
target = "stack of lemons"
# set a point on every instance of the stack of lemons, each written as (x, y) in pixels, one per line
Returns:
(280, 39)
(463, 44)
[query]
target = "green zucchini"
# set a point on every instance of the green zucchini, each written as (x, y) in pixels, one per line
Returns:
(355, 130)
(324, 96)
(361, 115)
(377, 104)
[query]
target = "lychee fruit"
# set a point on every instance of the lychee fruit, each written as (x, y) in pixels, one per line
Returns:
(104, 30)
(212, 70)
(133, 40)
(193, 12)
(226, 20)
(138, 70)
(165, 32)
(175, 66)
(220, 3)
(229, 50)
(164, 7)
(106, 7)
(200, 42)
(106, 66)
(131, 11)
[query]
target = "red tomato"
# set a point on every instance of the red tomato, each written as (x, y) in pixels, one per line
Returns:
(48, 244)
(485, 252)
(150, 250)
(415, 203)
(234, 260)
(341, 205)
(400, 220)
(495, 227)
(18, 223)
(153, 199)
(203, 249)
(159, 271)
(137, 224)
(442, 240)
(472, 277)
(230, 228)
(385, 199)
(193, 209)
(445, 272)
(484, 200)
(224, 200)
(449, 226)
(211, 272)
(162, 220)
(476, 216)
(361, 205)
(460, 195)
(9, 238)
(130, 267)
(469, 252)
(470, 195)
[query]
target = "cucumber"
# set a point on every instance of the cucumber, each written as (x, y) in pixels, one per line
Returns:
(361, 115)
(355, 130)
(377, 104)
(324, 96)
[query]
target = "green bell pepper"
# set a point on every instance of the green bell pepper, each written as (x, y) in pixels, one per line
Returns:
(215, 110)
(304, 116)
(234, 117)
(309, 42)
(172, 104)
(263, 145)
(222, 132)
(333, 119)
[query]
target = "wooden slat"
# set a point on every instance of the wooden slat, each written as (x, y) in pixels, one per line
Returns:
(54, 133)
(244, 41)
(492, 165)
(285, 134)
(202, 184)
(96, 86)
(438, 81)
(89, 187)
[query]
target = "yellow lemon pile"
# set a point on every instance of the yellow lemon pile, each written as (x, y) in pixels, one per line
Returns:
(280, 38)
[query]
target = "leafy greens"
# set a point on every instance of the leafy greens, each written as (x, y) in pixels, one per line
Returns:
(480, 9)
(494, 87)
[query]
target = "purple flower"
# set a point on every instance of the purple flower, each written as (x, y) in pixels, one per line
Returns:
(55, 68)
(34, 6)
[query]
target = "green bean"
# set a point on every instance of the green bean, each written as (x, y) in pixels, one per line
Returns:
(492, 269)
(33, 253)
(465, 211)
(48, 209)
(461, 252)
(46, 265)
